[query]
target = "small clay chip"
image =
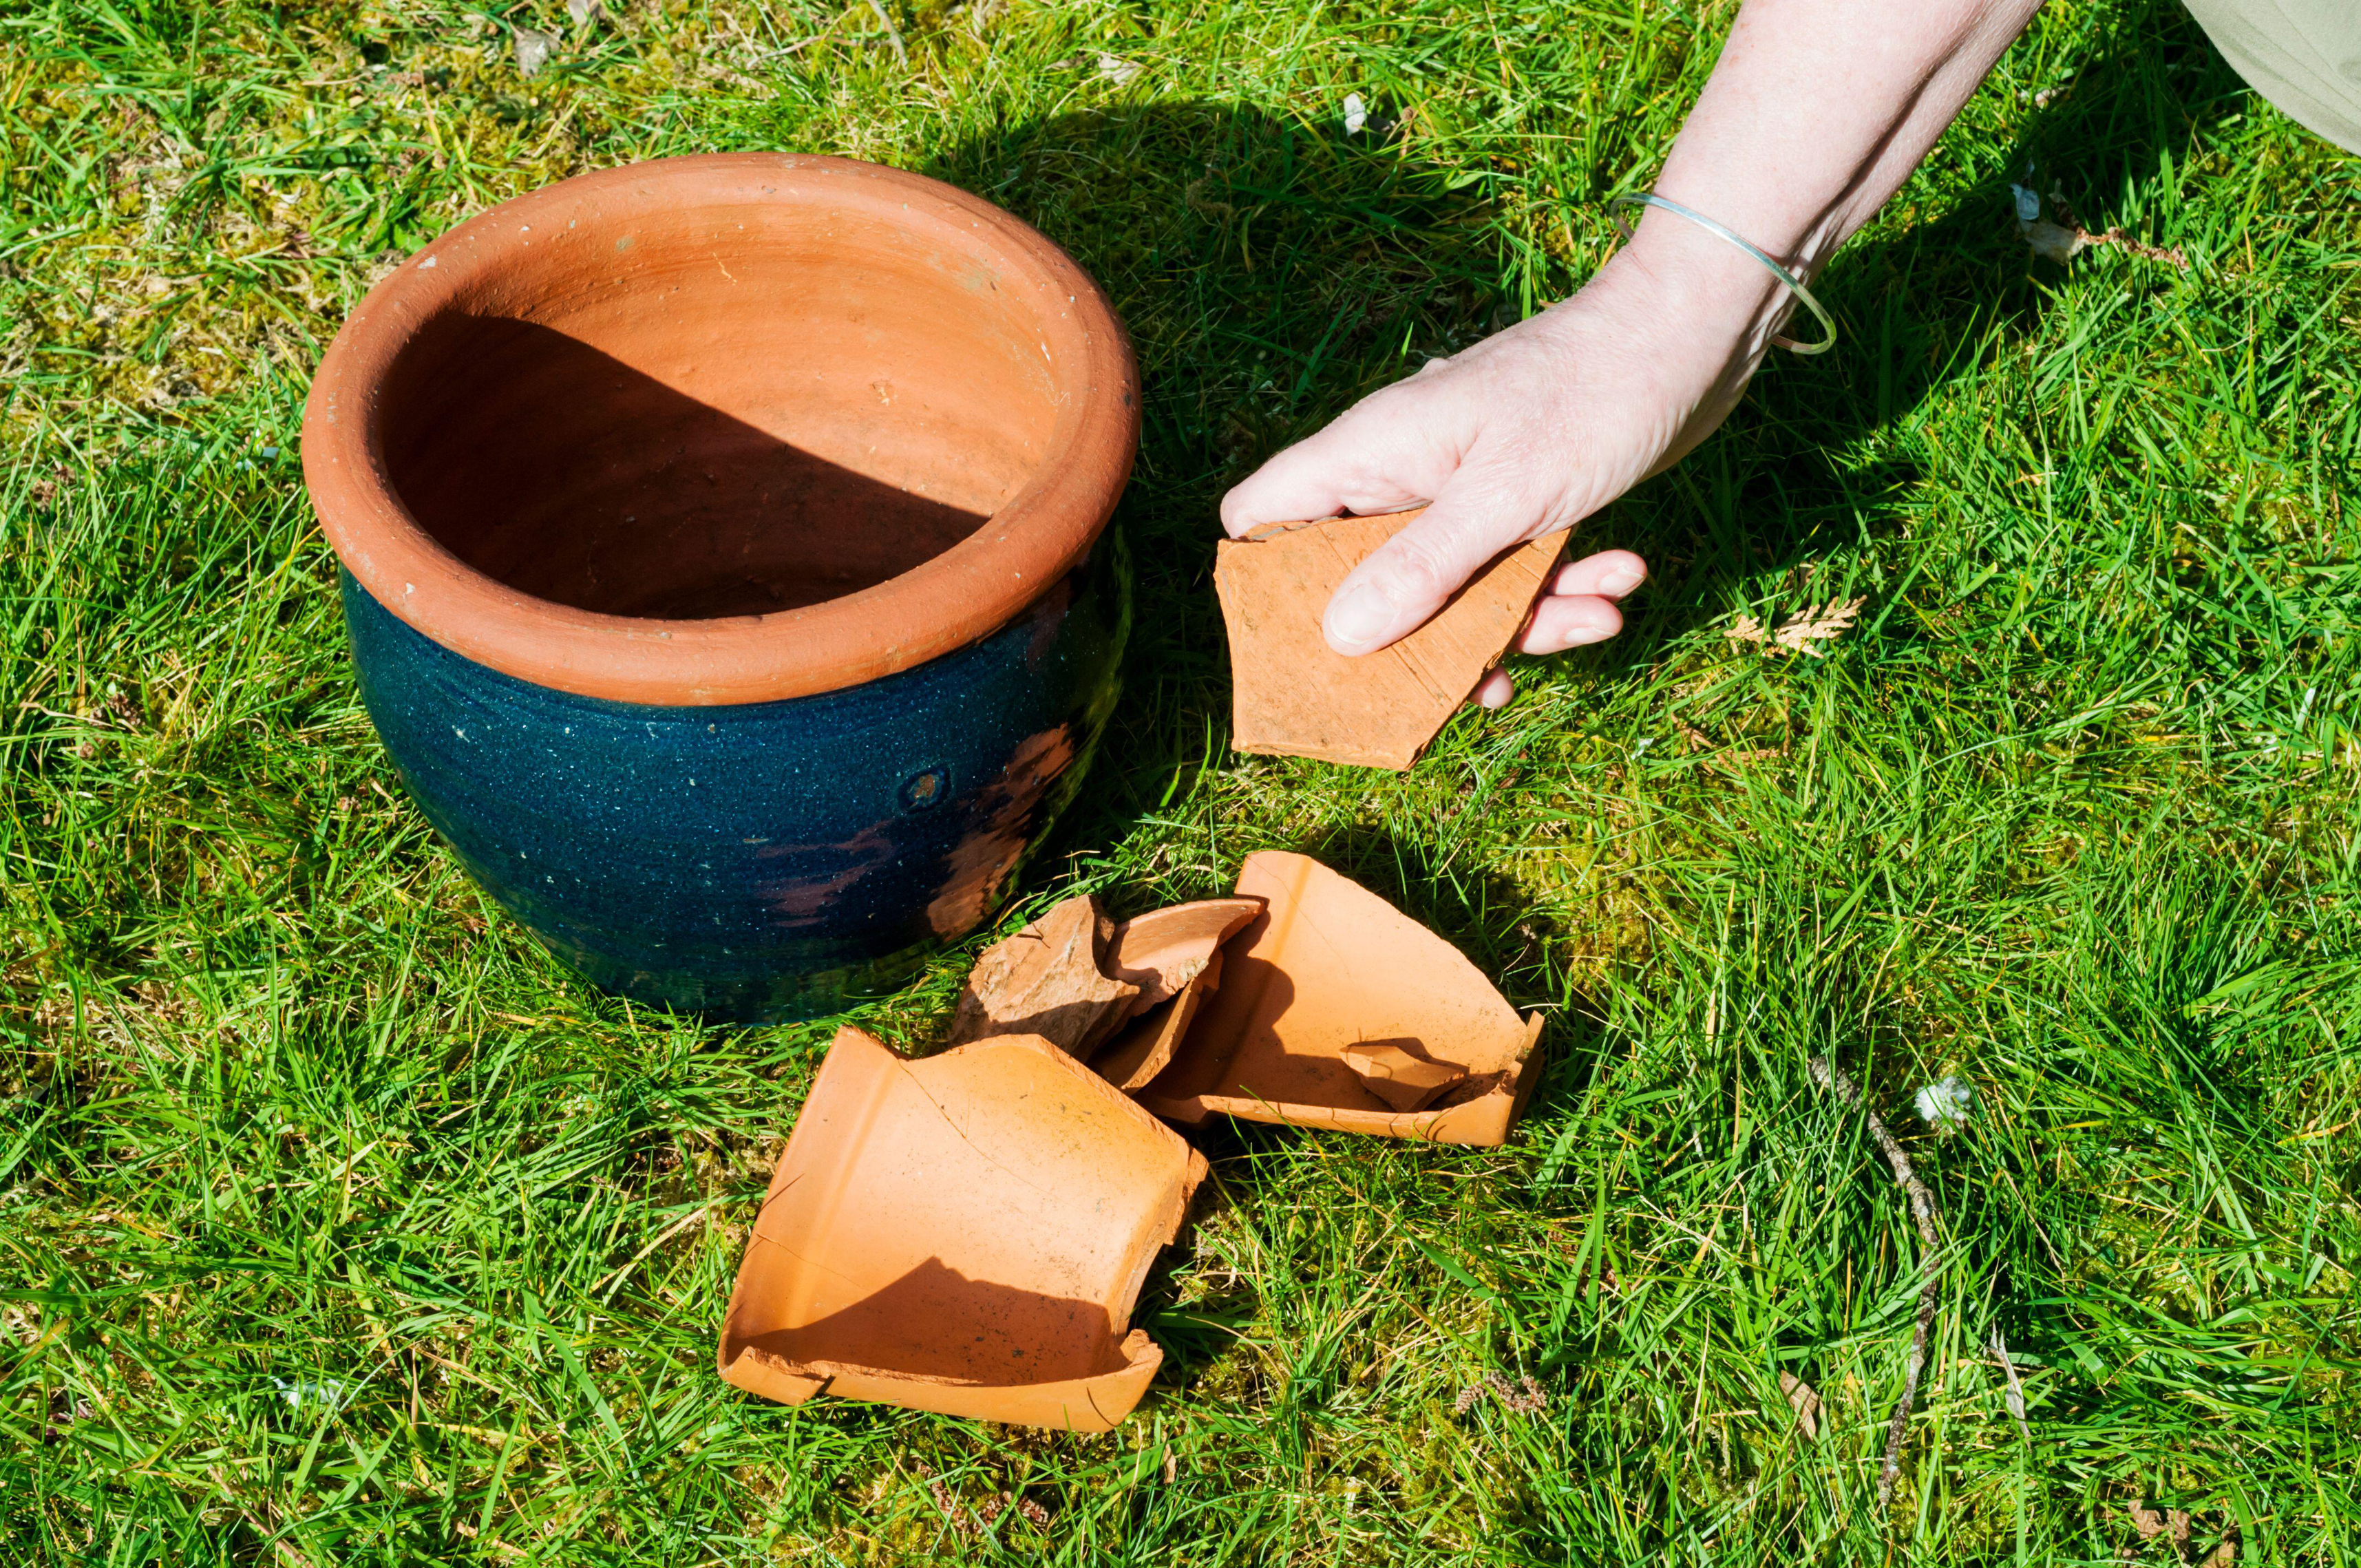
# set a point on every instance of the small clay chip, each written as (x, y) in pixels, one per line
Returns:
(1147, 1048)
(1296, 697)
(1402, 1079)
(1046, 981)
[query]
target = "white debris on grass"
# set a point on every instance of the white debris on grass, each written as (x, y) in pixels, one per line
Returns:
(300, 1391)
(534, 48)
(1947, 1102)
(1117, 70)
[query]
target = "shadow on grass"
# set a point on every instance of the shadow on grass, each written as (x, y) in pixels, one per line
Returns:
(1271, 272)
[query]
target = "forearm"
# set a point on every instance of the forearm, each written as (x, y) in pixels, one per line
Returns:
(1817, 112)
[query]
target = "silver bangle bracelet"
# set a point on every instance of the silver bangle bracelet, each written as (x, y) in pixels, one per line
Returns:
(1794, 284)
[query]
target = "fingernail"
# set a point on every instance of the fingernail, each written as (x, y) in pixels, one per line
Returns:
(1621, 580)
(1588, 626)
(1358, 617)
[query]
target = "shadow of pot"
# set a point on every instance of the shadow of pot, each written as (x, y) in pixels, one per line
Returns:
(723, 561)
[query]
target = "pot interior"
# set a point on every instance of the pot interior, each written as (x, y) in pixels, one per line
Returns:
(723, 411)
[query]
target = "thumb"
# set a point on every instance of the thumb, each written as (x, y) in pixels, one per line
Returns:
(1481, 511)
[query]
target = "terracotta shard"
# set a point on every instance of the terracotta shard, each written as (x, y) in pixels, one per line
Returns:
(1404, 1080)
(1163, 950)
(1048, 979)
(965, 1234)
(1295, 697)
(1329, 966)
(1145, 1049)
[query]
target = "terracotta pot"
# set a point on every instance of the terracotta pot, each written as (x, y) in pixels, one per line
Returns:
(966, 1233)
(722, 541)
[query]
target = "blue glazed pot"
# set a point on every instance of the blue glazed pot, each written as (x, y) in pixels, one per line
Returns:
(725, 562)
(756, 861)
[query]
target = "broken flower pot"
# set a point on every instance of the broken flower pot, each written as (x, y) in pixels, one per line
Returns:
(966, 1234)
(1295, 696)
(1337, 1010)
(723, 561)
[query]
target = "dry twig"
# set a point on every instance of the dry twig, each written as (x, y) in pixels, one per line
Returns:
(1930, 1265)
(892, 35)
(2014, 1396)
(2062, 240)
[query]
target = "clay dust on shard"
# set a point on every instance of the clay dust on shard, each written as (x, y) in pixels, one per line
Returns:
(966, 1234)
(1337, 1010)
(1295, 696)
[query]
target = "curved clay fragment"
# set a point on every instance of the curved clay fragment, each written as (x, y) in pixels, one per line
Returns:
(1330, 968)
(1048, 979)
(1296, 697)
(1162, 950)
(966, 1233)
(1147, 1048)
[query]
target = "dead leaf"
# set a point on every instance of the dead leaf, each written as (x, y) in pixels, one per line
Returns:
(1804, 1401)
(1801, 633)
(2054, 242)
(2013, 1393)
(1046, 981)
(2062, 240)
(2152, 1522)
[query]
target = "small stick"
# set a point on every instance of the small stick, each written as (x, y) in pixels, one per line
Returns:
(893, 34)
(2015, 1397)
(1930, 1264)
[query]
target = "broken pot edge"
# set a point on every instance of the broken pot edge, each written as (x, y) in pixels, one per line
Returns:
(1293, 696)
(1480, 1121)
(1077, 1404)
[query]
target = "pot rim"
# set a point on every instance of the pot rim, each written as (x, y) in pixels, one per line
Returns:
(946, 603)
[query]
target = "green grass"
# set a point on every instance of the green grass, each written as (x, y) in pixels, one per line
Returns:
(337, 1224)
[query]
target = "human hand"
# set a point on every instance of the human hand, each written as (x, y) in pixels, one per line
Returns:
(1525, 433)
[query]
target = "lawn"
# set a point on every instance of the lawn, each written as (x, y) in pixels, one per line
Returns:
(338, 1224)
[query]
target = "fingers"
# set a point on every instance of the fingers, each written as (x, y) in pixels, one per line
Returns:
(1610, 574)
(1570, 621)
(1478, 514)
(1580, 606)
(1386, 452)
(1305, 481)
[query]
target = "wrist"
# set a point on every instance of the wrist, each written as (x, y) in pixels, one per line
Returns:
(1680, 271)
(1692, 311)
